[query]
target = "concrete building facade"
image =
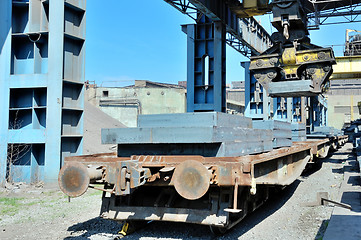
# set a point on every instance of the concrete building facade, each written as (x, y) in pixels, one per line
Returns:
(144, 97)
(344, 92)
(236, 98)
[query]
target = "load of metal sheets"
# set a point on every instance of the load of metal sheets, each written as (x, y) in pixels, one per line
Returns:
(198, 119)
(207, 134)
(281, 131)
(298, 132)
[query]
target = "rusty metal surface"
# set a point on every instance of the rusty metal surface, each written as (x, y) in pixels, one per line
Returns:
(281, 171)
(191, 179)
(74, 179)
(319, 147)
(95, 158)
(193, 175)
(191, 189)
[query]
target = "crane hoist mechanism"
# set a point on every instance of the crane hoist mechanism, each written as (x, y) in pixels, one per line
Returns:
(292, 66)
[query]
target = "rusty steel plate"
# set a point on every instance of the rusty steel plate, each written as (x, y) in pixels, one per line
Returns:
(191, 179)
(73, 179)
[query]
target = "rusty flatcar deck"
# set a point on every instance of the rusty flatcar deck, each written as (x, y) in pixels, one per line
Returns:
(216, 191)
(279, 166)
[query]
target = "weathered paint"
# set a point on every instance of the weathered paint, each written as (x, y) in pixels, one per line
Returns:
(339, 110)
(125, 104)
(31, 76)
(346, 67)
(5, 53)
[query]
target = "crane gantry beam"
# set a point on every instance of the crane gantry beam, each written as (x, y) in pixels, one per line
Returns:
(321, 16)
(249, 37)
(245, 35)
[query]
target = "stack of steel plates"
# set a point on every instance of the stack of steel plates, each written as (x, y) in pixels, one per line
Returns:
(197, 119)
(210, 134)
(281, 131)
(327, 130)
(298, 132)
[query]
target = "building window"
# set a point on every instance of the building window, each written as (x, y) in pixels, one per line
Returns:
(105, 93)
(27, 108)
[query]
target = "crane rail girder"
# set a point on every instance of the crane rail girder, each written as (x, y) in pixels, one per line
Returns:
(245, 35)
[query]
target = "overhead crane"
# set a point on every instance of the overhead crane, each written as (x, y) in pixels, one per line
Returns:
(286, 63)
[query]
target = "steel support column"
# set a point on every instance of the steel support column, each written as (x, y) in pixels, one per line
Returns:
(5, 54)
(258, 103)
(309, 120)
(206, 66)
(316, 113)
(282, 109)
(323, 110)
(299, 110)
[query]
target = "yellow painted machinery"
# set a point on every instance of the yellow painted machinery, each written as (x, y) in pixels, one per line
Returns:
(293, 66)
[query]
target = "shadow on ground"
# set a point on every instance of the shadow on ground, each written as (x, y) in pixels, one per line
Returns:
(322, 230)
(95, 226)
(274, 203)
(98, 226)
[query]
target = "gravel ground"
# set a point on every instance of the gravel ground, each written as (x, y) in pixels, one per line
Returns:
(37, 213)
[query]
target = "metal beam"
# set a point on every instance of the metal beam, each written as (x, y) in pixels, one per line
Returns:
(350, 12)
(347, 67)
(245, 35)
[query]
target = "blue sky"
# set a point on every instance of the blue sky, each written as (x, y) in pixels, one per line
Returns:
(142, 40)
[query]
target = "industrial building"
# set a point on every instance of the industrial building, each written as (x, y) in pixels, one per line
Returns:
(344, 92)
(42, 57)
(236, 98)
(198, 151)
(144, 97)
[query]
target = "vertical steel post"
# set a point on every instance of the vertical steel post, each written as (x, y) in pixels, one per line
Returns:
(281, 107)
(257, 102)
(326, 115)
(5, 53)
(323, 105)
(315, 112)
(54, 99)
(190, 31)
(298, 110)
(318, 112)
(206, 48)
(290, 106)
(303, 109)
(309, 121)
